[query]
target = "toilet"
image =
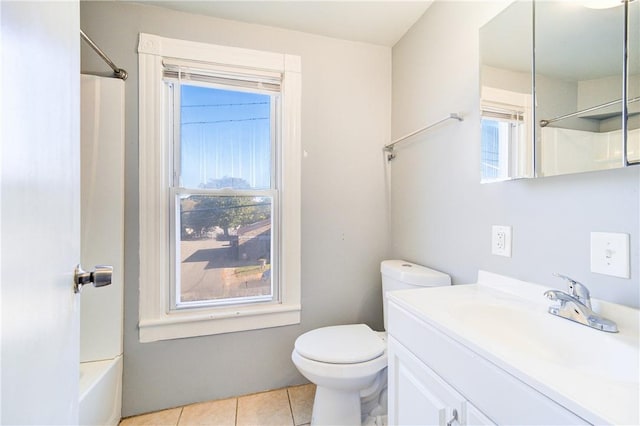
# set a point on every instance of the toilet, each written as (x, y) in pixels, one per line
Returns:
(348, 363)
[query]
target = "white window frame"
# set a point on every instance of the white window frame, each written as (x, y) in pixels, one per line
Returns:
(156, 320)
(517, 158)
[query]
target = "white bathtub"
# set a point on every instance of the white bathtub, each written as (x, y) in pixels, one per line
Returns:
(101, 392)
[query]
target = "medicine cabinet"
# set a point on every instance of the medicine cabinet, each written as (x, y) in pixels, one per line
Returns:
(557, 94)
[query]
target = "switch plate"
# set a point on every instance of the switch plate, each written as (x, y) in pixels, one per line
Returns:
(610, 254)
(501, 240)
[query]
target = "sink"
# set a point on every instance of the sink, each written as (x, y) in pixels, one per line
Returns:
(544, 338)
(507, 328)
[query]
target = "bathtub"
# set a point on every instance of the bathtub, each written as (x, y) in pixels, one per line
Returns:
(101, 392)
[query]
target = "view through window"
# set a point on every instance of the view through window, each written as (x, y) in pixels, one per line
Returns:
(494, 138)
(225, 196)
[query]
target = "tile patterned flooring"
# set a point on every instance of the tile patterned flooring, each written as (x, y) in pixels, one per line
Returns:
(290, 406)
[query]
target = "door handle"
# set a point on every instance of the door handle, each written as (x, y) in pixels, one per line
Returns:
(99, 277)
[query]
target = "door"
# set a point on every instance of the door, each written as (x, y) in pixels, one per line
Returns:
(40, 211)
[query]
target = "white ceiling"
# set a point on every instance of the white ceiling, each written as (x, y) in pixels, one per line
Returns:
(381, 22)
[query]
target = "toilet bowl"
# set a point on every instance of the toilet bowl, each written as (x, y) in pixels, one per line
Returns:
(343, 361)
(348, 363)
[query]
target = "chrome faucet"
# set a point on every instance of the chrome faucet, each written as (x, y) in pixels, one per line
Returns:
(576, 290)
(576, 306)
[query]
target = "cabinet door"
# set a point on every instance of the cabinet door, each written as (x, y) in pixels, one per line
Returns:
(417, 396)
(474, 417)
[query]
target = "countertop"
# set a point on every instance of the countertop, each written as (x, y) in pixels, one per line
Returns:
(592, 373)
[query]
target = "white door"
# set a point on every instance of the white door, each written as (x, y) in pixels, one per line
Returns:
(40, 211)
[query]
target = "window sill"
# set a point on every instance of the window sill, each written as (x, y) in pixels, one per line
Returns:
(177, 325)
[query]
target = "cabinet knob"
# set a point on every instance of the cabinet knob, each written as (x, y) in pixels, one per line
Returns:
(454, 417)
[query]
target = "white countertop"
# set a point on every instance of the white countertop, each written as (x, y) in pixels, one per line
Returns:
(593, 373)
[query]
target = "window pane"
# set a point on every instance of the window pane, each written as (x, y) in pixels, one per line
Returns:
(225, 139)
(224, 248)
(497, 137)
(490, 161)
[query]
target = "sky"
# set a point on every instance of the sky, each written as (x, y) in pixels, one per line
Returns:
(224, 134)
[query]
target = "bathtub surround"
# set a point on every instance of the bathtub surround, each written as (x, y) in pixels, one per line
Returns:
(442, 215)
(102, 234)
(346, 105)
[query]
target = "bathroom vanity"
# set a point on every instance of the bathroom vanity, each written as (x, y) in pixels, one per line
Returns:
(490, 353)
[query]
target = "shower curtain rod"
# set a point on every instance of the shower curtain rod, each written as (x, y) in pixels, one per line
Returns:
(118, 72)
(545, 123)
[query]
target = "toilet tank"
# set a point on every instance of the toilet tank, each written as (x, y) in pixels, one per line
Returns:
(402, 275)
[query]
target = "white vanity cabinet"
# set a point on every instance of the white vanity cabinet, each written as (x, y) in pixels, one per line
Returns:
(418, 396)
(431, 374)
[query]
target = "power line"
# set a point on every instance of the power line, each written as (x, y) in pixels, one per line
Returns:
(224, 105)
(225, 208)
(225, 121)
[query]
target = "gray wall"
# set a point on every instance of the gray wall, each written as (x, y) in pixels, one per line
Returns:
(442, 215)
(346, 109)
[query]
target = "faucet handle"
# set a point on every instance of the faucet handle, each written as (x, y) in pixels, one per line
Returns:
(577, 289)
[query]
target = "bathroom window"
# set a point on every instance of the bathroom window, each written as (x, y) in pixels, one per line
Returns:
(500, 132)
(219, 189)
(224, 189)
(506, 142)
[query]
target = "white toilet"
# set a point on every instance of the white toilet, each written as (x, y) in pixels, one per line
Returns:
(348, 362)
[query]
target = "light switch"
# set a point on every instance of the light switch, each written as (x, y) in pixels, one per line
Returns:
(610, 254)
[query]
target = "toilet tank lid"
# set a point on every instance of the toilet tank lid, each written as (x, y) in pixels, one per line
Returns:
(413, 274)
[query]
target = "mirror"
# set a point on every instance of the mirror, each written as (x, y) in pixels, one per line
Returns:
(578, 122)
(506, 99)
(579, 86)
(633, 83)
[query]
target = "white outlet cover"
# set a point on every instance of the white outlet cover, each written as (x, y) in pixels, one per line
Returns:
(610, 254)
(501, 240)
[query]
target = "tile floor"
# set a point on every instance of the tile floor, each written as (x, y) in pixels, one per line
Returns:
(290, 406)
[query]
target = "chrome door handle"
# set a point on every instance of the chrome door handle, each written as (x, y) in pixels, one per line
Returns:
(99, 277)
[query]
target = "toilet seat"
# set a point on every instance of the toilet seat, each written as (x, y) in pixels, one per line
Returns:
(342, 344)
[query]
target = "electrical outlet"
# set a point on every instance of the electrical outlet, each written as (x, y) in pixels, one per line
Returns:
(501, 240)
